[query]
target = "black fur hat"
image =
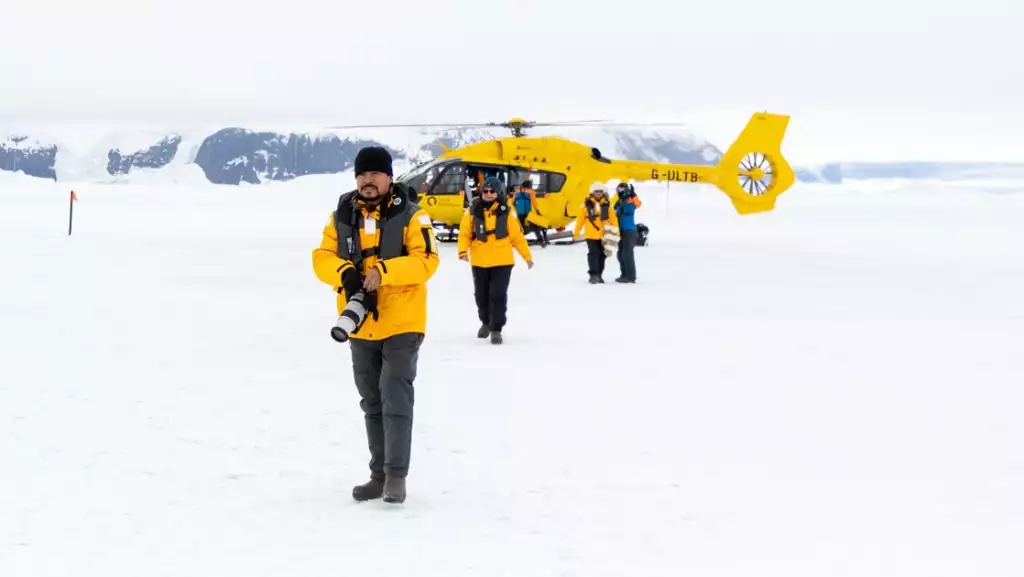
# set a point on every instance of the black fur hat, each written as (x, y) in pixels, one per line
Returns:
(373, 158)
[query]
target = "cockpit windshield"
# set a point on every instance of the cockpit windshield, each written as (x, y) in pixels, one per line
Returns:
(418, 170)
(421, 177)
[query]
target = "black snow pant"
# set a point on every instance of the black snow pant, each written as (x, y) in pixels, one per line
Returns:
(491, 292)
(541, 232)
(595, 257)
(627, 260)
(384, 374)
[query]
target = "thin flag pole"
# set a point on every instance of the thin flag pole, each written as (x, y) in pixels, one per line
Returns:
(71, 210)
(668, 194)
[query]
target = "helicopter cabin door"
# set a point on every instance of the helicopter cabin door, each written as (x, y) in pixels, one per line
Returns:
(445, 198)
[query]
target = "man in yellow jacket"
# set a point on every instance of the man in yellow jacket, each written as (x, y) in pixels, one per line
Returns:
(593, 216)
(486, 238)
(379, 248)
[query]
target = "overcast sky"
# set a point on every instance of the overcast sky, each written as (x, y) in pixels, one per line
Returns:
(897, 78)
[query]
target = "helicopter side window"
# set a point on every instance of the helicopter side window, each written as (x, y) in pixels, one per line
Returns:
(519, 175)
(452, 181)
(545, 182)
(522, 175)
(555, 181)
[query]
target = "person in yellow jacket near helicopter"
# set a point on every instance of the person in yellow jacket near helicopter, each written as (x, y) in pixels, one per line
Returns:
(486, 238)
(593, 216)
(378, 248)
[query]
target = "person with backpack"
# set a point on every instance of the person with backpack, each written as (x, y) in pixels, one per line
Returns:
(525, 202)
(593, 216)
(625, 204)
(486, 238)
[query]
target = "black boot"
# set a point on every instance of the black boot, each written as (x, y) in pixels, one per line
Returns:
(483, 331)
(394, 490)
(496, 337)
(373, 489)
(593, 279)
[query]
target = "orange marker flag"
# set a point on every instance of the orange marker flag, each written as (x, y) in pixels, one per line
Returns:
(71, 210)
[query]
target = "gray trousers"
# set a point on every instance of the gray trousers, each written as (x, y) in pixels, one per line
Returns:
(384, 373)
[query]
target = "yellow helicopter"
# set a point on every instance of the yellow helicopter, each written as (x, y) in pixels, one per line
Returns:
(752, 172)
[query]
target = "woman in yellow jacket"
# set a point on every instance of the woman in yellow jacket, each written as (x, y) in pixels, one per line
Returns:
(486, 238)
(593, 216)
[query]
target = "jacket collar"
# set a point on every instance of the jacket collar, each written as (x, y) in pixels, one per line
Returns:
(395, 201)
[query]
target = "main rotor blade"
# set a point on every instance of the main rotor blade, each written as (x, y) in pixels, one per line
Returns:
(613, 123)
(568, 122)
(441, 125)
(506, 124)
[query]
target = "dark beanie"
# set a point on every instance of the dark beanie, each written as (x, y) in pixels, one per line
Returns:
(373, 158)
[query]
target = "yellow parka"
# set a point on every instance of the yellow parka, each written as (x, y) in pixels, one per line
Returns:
(492, 251)
(593, 228)
(402, 294)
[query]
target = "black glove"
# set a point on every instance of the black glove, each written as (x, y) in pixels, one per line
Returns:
(370, 302)
(351, 282)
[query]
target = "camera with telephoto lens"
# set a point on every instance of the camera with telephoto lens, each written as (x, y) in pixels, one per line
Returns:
(351, 317)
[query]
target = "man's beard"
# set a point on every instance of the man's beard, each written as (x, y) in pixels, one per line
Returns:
(369, 200)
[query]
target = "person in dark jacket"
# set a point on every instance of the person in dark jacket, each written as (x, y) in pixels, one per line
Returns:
(525, 202)
(625, 203)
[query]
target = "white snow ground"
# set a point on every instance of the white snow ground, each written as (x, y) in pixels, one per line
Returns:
(833, 388)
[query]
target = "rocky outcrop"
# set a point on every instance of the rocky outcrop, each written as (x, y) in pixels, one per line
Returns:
(19, 154)
(236, 155)
(158, 155)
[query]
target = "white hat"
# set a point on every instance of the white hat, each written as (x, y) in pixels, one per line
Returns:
(598, 186)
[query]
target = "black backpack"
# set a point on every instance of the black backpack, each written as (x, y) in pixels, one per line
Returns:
(641, 234)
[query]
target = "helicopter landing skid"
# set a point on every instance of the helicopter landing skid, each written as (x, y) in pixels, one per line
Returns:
(444, 233)
(564, 237)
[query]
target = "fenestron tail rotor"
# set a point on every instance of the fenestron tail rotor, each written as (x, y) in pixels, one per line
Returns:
(756, 173)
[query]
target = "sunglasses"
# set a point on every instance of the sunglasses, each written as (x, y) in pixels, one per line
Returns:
(488, 191)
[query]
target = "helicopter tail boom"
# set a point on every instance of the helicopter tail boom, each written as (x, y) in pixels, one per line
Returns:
(752, 172)
(656, 171)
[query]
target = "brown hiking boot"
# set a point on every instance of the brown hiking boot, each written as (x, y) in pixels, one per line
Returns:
(394, 490)
(372, 489)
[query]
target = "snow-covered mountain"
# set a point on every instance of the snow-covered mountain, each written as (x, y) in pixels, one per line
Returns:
(235, 155)
(19, 153)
